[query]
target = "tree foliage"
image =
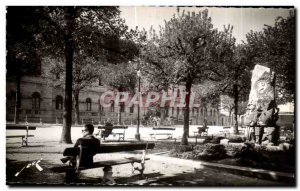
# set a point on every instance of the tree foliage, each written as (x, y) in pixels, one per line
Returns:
(67, 32)
(188, 50)
(22, 57)
(275, 46)
(237, 81)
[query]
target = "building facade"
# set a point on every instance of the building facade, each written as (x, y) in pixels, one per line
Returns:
(42, 103)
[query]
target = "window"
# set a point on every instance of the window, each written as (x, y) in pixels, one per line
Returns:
(172, 111)
(167, 110)
(59, 102)
(88, 102)
(122, 107)
(132, 109)
(211, 112)
(112, 106)
(201, 111)
(36, 100)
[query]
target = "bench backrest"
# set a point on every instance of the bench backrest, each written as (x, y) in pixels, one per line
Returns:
(112, 127)
(20, 127)
(112, 148)
(107, 130)
(164, 128)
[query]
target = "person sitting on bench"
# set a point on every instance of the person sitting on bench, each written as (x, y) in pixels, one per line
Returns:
(108, 129)
(90, 143)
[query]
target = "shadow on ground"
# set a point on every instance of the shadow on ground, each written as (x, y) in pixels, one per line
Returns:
(197, 177)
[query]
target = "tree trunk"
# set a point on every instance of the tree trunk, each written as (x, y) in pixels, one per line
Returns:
(218, 116)
(197, 117)
(120, 107)
(229, 117)
(76, 99)
(18, 99)
(69, 51)
(184, 140)
(236, 102)
(99, 113)
(119, 115)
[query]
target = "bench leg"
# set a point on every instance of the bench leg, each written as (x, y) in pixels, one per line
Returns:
(141, 170)
(107, 176)
(71, 176)
(24, 141)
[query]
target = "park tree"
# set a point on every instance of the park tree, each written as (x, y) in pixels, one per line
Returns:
(66, 31)
(22, 57)
(121, 77)
(236, 82)
(208, 94)
(89, 69)
(86, 72)
(274, 46)
(188, 50)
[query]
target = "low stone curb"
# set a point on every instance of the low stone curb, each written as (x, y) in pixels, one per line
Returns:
(244, 171)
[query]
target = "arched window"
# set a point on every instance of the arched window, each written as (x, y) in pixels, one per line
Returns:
(36, 100)
(112, 106)
(122, 107)
(88, 102)
(211, 112)
(132, 109)
(59, 102)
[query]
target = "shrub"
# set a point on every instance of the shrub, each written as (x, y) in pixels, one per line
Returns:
(210, 152)
(251, 155)
(236, 139)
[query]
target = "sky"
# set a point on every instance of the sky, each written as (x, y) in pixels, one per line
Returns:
(242, 19)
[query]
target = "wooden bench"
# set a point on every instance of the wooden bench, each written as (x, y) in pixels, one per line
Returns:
(226, 130)
(105, 131)
(20, 127)
(168, 134)
(73, 170)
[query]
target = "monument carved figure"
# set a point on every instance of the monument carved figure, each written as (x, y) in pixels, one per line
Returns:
(262, 112)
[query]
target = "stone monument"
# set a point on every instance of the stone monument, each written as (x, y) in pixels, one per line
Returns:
(262, 112)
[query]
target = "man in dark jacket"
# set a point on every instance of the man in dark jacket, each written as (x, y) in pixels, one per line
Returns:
(88, 138)
(89, 145)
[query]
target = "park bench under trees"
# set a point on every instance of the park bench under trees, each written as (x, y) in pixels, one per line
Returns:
(20, 127)
(168, 131)
(74, 168)
(105, 131)
(202, 131)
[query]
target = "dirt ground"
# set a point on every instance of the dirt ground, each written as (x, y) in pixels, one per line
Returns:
(162, 172)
